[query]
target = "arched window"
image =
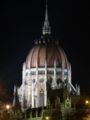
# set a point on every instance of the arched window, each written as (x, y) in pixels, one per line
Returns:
(41, 98)
(59, 83)
(34, 103)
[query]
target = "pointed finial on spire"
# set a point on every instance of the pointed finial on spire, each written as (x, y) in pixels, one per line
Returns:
(46, 27)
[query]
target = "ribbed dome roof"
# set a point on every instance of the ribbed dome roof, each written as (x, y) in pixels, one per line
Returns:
(46, 50)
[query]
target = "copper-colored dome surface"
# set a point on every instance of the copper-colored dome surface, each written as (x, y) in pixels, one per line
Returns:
(48, 53)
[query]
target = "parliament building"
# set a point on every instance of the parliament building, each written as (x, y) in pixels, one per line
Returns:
(46, 76)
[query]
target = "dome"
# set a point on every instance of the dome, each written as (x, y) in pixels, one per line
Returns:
(46, 72)
(46, 50)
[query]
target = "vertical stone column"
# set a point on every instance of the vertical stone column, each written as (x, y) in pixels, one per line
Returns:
(69, 78)
(32, 96)
(55, 84)
(36, 88)
(45, 82)
(29, 86)
(63, 66)
(62, 73)
(37, 78)
(22, 93)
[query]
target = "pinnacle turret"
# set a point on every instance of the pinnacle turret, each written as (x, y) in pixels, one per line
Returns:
(46, 27)
(16, 99)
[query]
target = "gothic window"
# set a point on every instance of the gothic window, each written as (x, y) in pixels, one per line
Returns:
(35, 103)
(49, 80)
(41, 80)
(66, 82)
(25, 82)
(41, 98)
(66, 73)
(26, 73)
(33, 73)
(41, 72)
(50, 72)
(33, 80)
(58, 72)
(59, 81)
(24, 102)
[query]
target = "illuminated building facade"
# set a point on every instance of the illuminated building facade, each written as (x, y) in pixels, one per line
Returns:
(46, 71)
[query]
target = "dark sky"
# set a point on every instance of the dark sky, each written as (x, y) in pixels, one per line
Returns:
(21, 23)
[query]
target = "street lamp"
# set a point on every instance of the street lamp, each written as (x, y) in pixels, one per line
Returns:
(86, 102)
(47, 118)
(8, 107)
(5, 111)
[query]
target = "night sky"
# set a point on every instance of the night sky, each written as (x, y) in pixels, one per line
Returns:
(21, 23)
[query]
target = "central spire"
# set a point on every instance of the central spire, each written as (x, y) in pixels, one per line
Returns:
(46, 27)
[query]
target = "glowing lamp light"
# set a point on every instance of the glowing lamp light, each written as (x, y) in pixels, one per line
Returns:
(46, 118)
(7, 107)
(86, 102)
